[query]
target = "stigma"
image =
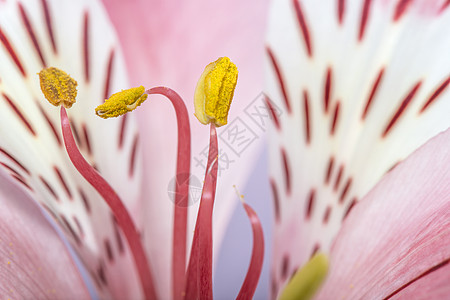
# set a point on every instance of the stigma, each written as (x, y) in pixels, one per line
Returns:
(214, 92)
(307, 280)
(58, 87)
(122, 102)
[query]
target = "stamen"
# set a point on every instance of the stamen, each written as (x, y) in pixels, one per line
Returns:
(58, 87)
(214, 92)
(122, 102)
(199, 275)
(307, 280)
(117, 207)
(181, 190)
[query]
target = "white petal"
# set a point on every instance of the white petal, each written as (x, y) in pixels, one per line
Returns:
(75, 26)
(412, 51)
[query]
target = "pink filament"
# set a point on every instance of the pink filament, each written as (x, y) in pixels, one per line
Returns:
(181, 190)
(254, 270)
(199, 276)
(120, 212)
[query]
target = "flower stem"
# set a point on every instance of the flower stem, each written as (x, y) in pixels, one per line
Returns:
(181, 190)
(199, 275)
(119, 211)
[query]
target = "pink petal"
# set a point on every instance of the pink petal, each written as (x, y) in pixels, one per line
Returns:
(434, 286)
(35, 264)
(399, 232)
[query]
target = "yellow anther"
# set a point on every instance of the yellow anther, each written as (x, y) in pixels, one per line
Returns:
(307, 280)
(58, 87)
(122, 102)
(214, 92)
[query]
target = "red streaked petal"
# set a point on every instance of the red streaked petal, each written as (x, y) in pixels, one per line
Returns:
(199, 274)
(37, 33)
(377, 113)
(399, 233)
(254, 270)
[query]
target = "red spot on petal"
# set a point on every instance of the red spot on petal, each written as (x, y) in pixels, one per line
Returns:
(307, 120)
(310, 203)
(400, 9)
(70, 229)
(329, 170)
(280, 79)
(315, 249)
(80, 229)
(109, 252)
(284, 267)
(364, 18)
(276, 199)
(56, 133)
(335, 118)
(48, 22)
(435, 94)
(11, 52)
(86, 46)
(338, 178)
(19, 114)
(123, 126)
(27, 24)
(327, 89)
(326, 215)
(133, 154)
(118, 236)
(287, 172)
(85, 200)
(345, 190)
(10, 169)
(96, 280)
(401, 108)
(349, 208)
(75, 133)
(274, 288)
(22, 181)
(272, 112)
(15, 161)
(49, 188)
(303, 26)
(108, 74)
(86, 138)
(341, 9)
(101, 274)
(63, 181)
(372, 93)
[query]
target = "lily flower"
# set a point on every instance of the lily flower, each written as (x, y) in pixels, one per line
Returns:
(88, 178)
(356, 88)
